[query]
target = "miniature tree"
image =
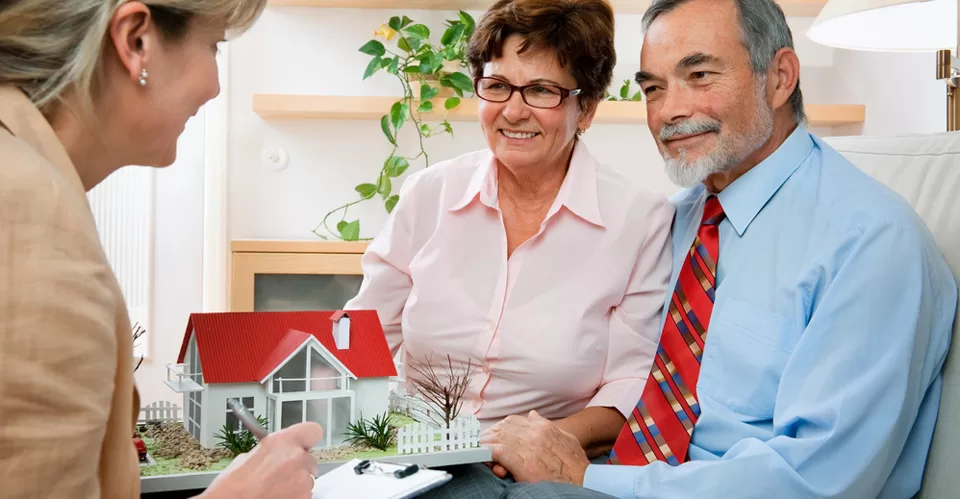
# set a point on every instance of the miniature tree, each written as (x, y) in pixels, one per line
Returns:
(444, 389)
(138, 331)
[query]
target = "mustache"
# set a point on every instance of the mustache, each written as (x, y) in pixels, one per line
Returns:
(688, 128)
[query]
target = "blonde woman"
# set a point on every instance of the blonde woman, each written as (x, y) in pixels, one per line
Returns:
(86, 87)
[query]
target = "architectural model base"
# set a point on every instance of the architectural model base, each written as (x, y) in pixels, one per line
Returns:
(202, 479)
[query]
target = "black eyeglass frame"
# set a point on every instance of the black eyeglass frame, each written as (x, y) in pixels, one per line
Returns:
(564, 92)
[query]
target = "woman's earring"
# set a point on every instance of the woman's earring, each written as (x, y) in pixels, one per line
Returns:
(143, 77)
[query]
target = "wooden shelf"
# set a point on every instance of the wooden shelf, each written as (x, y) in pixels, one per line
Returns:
(296, 246)
(306, 107)
(797, 8)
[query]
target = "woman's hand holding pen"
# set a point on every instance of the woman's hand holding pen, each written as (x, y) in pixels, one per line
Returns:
(280, 466)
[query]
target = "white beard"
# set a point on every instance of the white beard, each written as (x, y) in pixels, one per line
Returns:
(729, 151)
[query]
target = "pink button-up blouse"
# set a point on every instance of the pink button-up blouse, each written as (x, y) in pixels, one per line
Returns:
(570, 320)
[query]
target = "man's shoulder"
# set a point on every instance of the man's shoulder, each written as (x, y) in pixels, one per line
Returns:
(854, 199)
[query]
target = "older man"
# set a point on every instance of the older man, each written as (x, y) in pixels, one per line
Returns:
(810, 314)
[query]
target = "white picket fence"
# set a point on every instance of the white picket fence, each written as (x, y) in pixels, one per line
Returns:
(163, 411)
(415, 407)
(416, 438)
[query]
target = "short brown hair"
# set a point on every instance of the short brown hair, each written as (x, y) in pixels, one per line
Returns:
(579, 32)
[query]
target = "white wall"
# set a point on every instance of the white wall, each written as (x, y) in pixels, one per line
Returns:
(178, 261)
(311, 50)
(372, 397)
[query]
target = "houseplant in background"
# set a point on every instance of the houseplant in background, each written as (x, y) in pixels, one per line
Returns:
(431, 76)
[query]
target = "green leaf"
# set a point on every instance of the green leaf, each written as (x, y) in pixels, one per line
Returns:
(418, 31)
(446, 126)
(406, 22)
(460, 81)
(391, 203)
(373, 67)
(351, 231)
(415, 43)
(386, 187)
(412, 69)
(385, 63)
(403, 45)
(394, 66)
(426, 107)
(452, 33)
(395, 23)
(427, 92)
(625, 90)
(385, 126)
(396, 165)
(374, 48)
(637, 97)
(425, 130)
(340, 225)
(467, 21)
(366, 190)
(398, 114)
(451, 103)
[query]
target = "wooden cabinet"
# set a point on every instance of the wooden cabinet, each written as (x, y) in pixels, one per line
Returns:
(293, 275)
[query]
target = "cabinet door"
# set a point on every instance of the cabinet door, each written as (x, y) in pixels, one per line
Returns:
(294, 281)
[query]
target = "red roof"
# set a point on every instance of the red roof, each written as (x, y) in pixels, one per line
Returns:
(239, 347)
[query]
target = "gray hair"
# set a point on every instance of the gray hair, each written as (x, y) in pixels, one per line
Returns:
(764, 31)
(48, 46)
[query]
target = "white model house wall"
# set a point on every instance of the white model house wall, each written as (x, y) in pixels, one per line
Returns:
(215, 407)
(371, 397)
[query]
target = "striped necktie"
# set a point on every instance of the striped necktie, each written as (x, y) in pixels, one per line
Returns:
(660, 426)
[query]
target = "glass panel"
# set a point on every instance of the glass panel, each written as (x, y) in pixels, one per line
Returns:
(232, 422)
(295, 369)
(291, 413)
(317, 412)
(323, 375)
(281, 292)
(341, 418)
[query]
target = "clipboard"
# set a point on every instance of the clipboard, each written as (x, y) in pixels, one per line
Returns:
(344, 482)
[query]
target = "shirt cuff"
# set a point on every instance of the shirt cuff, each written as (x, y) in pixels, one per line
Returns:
(622, 395)
(613, 480)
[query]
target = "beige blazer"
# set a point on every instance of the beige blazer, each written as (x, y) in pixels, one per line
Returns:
(68, 404)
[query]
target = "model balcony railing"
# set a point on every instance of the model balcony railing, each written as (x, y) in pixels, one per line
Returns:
(181, 380)
(292, 385)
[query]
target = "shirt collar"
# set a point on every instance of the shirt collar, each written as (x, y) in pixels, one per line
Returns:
(578, 193)
(745, 197)
(25, 122)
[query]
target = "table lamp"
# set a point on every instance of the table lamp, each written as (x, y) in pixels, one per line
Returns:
(897, 26)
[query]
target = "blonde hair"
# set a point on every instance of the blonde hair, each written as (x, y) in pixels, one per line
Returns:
(49, 46)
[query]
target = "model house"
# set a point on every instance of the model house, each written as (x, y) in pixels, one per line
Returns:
(330, 367)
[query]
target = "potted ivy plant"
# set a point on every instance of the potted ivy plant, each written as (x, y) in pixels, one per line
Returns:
(432, 76)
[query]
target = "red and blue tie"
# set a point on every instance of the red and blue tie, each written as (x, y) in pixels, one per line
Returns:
(660, 426)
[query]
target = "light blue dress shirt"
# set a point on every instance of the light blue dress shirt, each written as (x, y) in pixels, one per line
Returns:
(821, 371)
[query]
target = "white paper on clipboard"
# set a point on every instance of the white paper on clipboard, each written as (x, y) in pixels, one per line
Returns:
(344, 483)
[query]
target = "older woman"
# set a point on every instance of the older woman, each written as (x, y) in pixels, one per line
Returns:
(87, 86)
(530, 261)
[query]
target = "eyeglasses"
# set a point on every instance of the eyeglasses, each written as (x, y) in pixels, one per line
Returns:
(539, 95)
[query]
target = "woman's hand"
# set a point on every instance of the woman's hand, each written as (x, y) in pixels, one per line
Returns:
(280, 466)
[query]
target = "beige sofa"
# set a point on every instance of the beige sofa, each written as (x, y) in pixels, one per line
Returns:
(925, 169)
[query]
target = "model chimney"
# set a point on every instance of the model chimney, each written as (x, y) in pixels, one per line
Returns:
(341, 329)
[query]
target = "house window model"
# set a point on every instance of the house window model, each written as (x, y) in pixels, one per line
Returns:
(233, 424)
(329, 367)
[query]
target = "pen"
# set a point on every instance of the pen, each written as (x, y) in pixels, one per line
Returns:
(247, 419)
(254, 426)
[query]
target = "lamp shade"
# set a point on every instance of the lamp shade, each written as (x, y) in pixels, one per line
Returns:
(887, 25)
